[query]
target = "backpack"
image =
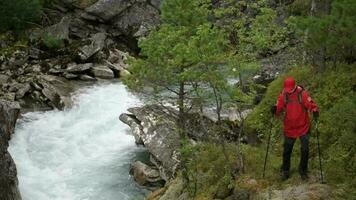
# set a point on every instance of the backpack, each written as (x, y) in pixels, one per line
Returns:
(300, 99)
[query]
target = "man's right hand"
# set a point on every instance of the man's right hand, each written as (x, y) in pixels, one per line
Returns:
(273, 109)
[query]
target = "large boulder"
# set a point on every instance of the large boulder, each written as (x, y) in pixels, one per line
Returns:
(107, 9)
(97, 44)
(57, 90)
(9, 112)
(79, 68)
(60, 30)
(137, 20)
(102, 71)
(144, 174)
(155, 127)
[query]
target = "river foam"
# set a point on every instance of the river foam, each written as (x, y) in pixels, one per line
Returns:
(82, 153)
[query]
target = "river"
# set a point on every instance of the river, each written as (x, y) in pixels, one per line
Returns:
(81, 153)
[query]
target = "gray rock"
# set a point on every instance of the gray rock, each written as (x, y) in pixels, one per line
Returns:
(60, 30)
(144, 174)
(107, 9)
(300, 192)
(4, 79)
(156, 130)
(10, 96)
(70, 75)
(102, 71)
(137, 19)
(124, 73)
(156, 3)
(79, 68)
(9, 112)
(24, 88)
(96, 45)
(36, 68)
(85, 77)
(56, 89)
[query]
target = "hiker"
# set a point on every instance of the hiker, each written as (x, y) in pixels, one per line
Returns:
(297, 104)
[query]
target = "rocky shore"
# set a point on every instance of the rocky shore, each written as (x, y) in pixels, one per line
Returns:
(9, 112)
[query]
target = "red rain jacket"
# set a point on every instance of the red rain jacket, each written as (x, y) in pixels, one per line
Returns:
(296, 118)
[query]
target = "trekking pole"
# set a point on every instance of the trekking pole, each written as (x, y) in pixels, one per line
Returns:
(320, 165)
(269, 139)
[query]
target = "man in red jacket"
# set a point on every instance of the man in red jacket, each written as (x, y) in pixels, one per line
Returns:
(297, 104)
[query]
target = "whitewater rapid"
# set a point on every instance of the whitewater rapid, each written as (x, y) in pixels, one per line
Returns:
(82, 153)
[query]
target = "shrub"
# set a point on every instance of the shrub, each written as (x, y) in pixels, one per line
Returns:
(52, 42)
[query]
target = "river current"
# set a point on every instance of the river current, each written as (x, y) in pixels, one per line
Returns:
(81, 153)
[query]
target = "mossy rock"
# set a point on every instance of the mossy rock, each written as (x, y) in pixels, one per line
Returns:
(84, 3)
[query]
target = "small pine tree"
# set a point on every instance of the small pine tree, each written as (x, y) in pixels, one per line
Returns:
(177, 57)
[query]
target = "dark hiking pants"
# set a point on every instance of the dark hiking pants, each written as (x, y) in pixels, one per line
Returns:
(304, 153)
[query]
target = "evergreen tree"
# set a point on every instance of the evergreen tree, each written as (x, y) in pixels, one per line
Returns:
(175, 58)
(17, 15)
(329, 37)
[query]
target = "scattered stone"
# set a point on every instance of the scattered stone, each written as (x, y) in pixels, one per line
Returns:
(4, 79)
(107, 9)
(79, 68)
(300, 192)
(68, 75)
(60, 30)
(124, 73)
(85, 77)
(56, 89)
(144, 174)
(24, 88)
(103, 71)
(10, 96)
(97, 44)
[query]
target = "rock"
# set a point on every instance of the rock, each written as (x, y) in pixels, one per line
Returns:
(124, 73)
(85, 77)
(70, 75)
(56, 89)
(10, 96)
(24, 88)
(97, 44)
(107, 9)
(79, 68)
(36, 68)
(144, 174)
(9, 112)
(301, 192)
(4, 79)
(102, 71)
(152, 127)
(174, 190)
(156, 3)
(82, 3)
(60, 30)
(137, 20)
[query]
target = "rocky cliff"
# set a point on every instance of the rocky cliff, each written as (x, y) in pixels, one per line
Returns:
(82, 40)
(9, 112)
